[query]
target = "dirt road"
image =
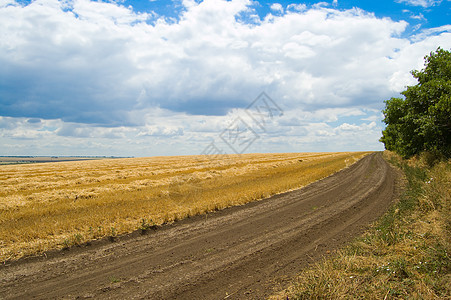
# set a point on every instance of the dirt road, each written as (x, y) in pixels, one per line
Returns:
(246, 252)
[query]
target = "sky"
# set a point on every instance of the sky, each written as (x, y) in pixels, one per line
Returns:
(178, 77)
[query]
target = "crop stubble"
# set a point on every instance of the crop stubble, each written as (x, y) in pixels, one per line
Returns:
(238, 253)
(56, 205)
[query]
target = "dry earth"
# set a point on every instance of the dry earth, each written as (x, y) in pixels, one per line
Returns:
(246, 252)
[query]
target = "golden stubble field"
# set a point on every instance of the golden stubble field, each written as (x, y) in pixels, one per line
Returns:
(55, 205)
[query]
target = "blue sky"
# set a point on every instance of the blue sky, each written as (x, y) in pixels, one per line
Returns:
(143, 78)
(427, 13)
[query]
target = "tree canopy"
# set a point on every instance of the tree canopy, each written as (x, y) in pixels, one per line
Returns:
(421, 121)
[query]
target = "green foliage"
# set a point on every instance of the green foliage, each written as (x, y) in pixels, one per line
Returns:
(146, 225)
(421, 121)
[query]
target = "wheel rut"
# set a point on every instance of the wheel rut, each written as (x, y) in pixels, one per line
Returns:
(246, 252)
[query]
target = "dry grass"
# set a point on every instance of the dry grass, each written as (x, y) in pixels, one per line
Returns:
(56, 205)
(404, 256)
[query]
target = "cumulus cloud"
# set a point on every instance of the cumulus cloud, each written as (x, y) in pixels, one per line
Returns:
(99, 70)
(168, 131)
(277, 7)
(297, 7)
(96, 62)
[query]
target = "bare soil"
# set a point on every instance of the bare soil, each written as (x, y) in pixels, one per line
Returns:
(247, 252)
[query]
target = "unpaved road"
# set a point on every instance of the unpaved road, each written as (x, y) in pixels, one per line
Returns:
(246, 252)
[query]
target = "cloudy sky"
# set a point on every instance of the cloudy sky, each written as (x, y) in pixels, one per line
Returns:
(162, 77)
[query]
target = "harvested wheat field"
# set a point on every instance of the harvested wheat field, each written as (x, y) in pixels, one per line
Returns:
(57, 205)
(241, 252)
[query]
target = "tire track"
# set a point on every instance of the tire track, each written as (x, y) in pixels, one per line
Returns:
(243, 252)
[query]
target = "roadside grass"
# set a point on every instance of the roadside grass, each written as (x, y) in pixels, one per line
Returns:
(405, 255)
(59, 205)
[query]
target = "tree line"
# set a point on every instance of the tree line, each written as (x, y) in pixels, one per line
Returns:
(420, 121)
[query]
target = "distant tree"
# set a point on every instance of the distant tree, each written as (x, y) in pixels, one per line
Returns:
(422, 121)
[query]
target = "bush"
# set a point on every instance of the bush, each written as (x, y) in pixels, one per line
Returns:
(421, 121)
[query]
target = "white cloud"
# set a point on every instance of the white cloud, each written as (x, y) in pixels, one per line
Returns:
(105, 57)
(423, 3)
(321, 4)
(277, 7)
(101, 71)
(297, 7)
(418, 17)
(430, 34)
(167, 131)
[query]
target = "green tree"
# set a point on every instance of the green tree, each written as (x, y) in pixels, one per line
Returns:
(421, 121)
